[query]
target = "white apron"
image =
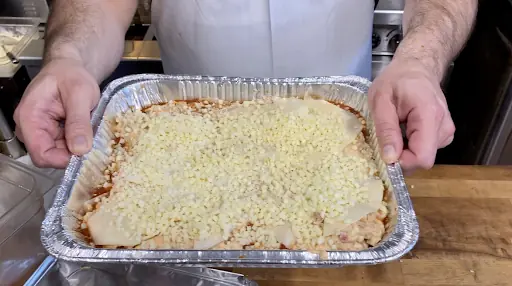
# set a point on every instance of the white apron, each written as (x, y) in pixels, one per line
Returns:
(265, 38)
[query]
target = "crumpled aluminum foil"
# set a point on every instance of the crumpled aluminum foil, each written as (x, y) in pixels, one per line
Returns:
(84, 173)
(66, 273)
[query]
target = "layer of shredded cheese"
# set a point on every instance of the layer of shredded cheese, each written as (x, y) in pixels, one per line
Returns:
(263, 174)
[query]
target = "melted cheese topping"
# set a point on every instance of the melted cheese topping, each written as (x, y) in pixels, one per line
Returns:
(262, 174)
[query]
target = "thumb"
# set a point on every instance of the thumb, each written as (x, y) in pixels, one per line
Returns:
(387, 127)
(78, 103)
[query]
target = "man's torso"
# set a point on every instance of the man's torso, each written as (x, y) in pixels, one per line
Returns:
(265, 38)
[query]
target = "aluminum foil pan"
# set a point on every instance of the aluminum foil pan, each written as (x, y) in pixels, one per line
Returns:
(84, 173)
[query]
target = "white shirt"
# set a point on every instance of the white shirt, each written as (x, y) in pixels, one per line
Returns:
(265, 38)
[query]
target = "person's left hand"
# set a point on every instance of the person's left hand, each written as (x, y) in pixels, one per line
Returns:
(408, 92)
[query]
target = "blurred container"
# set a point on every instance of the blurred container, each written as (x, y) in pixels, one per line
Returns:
(53, 272)
(15, 34)
(54, 174)
(21, 214)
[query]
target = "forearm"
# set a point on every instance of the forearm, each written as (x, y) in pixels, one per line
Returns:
(89, 31)
(435, 31)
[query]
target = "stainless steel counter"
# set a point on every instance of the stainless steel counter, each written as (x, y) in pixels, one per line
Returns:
(24, 8)
(391, 5)
(133, 51)
(389, 12)
(32, 56)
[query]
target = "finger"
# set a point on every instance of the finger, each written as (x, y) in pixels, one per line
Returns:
(43, 149)
(78, 105)
(446, 132)
(55, 131)
(41, 135)
(37, 126)
(61, 144)
(446, 142)
(387, 126)
(422, 128)
(59, 132)
(408, 162)
(18, 134)
(407, 170)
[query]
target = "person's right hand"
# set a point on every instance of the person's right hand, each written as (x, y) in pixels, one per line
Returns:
(64, 91)
(409, 92)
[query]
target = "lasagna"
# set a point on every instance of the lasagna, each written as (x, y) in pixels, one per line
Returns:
(268, 174)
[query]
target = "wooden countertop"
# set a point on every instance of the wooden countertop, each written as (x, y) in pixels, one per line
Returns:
(465, 218)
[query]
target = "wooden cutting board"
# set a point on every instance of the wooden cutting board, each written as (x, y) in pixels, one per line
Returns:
(465, 217)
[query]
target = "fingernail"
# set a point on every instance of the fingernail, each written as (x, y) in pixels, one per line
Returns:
(80, 144)
(389, 154)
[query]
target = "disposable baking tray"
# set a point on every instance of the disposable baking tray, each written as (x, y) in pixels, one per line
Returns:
(84, 173)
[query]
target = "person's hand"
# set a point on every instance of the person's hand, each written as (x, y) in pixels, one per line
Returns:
(407, 92)
(63, 91)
